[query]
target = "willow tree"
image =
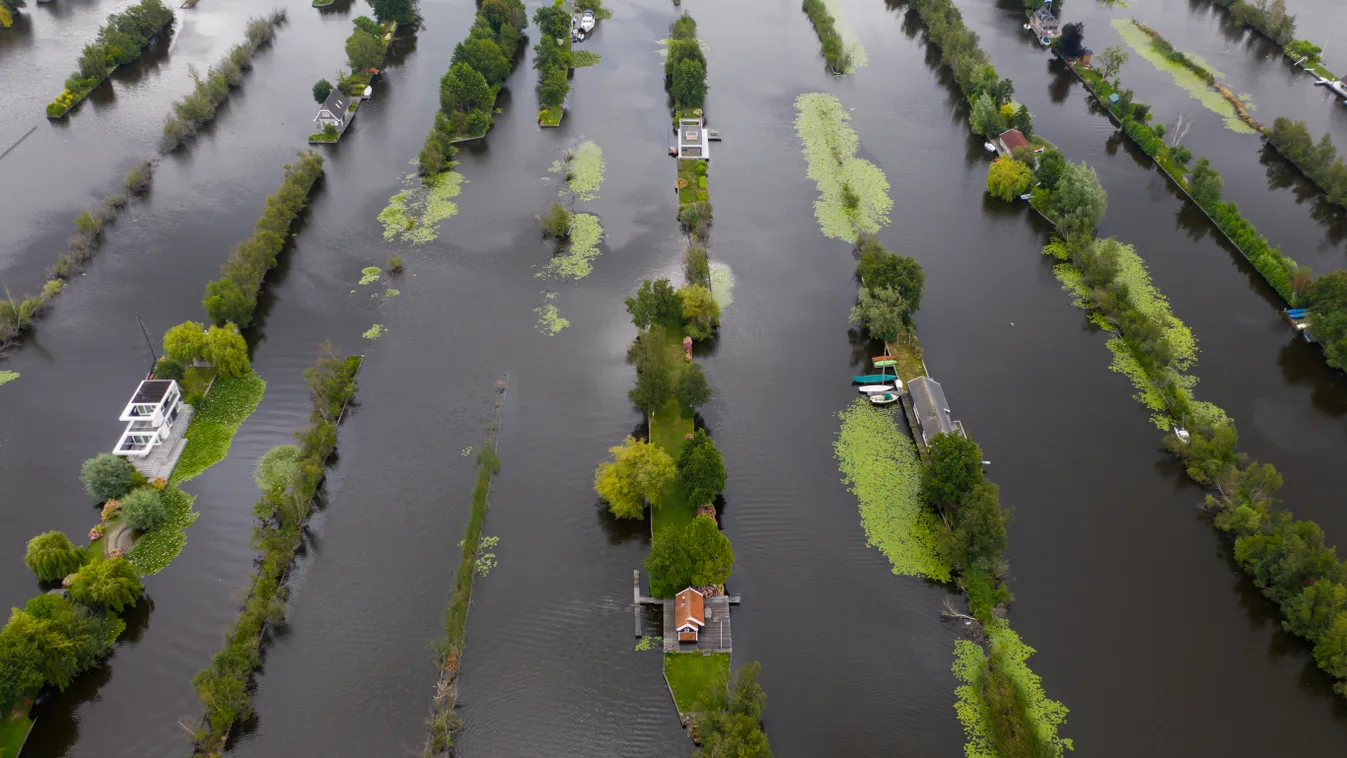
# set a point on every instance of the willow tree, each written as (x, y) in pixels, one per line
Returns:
(52, 556)
(107, 585)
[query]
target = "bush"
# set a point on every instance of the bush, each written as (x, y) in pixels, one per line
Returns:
(394, 265)
(557, 223)
(144, 509)
(167, 368)
(107, 476)
(51, 556)
(110, 585)
(697, 265)
(321, 89)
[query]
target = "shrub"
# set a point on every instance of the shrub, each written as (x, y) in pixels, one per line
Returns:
(107, 476)
(321, 89)
(51, 556)
(394, 265)
(557, 223)
(144, 509)
(168, 368)
(697, 265)
(110, 585)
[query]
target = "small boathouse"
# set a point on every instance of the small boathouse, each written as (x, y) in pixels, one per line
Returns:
(931, 409)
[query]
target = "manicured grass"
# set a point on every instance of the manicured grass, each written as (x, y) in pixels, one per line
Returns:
(13, 729)
(217, 418)
(687, 171)
(1320, 70)
(690, 674)
(94, 552)
(321, 138)
(910, 366)
(667, 428)
(551, 115)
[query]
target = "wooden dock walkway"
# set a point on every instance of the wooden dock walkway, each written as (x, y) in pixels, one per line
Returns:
(714, 637)
(914, 429)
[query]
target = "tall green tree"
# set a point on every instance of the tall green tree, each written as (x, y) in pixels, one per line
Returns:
(554, 87)
(700, 469)
(689, 84)
(878, 268)
(553, 21)
(1111, 61)
(226, 349)
(485, 57)
(185, 342)
(1051, 164)
(107, 476)
(1007, 179)
(655, 302)
(692, 389)
(979, 535)
(730, 717)
(637, 475)
(700, 311)
(364, 51)
(405, 12)
(463, 88)
(986, 117)
(698, 555)
(955, 468)
(1079, 202)
(110, 585)
(1205, 183)
(51, 556)
(654, 386)
(882, 312)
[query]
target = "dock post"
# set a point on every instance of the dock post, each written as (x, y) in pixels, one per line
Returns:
(636, 598)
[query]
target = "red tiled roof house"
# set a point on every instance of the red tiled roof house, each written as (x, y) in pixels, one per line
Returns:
(1012, 139)
(689, 614)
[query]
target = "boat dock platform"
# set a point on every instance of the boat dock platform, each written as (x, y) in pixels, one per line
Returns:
(714, 637)
(1299, 319)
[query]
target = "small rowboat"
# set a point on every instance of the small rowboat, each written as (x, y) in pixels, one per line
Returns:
(870, 389)
(884, 398)
(872, 378)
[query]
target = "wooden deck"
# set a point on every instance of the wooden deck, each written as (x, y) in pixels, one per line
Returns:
(714, 637)
(914, 429)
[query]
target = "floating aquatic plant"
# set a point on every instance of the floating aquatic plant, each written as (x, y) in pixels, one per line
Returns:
(8, 376)
(880, 467)
(853, 192)
(373, 332)
(971, 668)
(583, 58)
(216, 419)
(156, 549)
(581, 171)
(414, 214)
(486, 560)
(467, 451)
(581, 249)
(1140, 42)
(370, 275)
(722, 284)
(849, 40)
(550, 321)
(648, 643)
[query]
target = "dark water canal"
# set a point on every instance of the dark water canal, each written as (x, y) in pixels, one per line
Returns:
(1145, 628)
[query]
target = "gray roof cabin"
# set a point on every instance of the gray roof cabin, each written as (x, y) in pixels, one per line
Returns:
(931, 408)
(333, 110)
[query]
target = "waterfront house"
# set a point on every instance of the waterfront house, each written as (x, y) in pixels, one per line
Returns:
(931, 409)
(693, 141)
(333, 111)
(1046, 26)
(689, 614)
(150, 415)
(1085, 56)
(1011, 140)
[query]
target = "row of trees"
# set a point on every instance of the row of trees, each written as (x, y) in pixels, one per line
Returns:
(1320, 162)
(468, 89)
(729, 719)
(552, 54)
(691, 309)
(685, 66)
(289, 481)
(221, 346)
(1267, 16)
(121, 40)
(233, 297)
(191, 112)
(834, 48)
(890, 293)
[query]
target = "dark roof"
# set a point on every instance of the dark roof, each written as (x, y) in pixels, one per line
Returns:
(929, 403)
(152, 391)
(1013, 139)
(336, 103)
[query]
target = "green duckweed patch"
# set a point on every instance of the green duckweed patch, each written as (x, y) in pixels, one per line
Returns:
(722, 284)
(584, 58)
(880, 467)
(853, 192)
(581, 171)
(218, 417)
(576, 261)
(972, 667)
(373, 332)
(414, 214)
(550, 321)
(8, 376)
(155, 550)
(853, 45)
(1140, 42)
(370, 275)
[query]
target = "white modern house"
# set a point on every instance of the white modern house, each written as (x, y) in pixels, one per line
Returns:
(694, 143)
(150, 414)
(333, 111)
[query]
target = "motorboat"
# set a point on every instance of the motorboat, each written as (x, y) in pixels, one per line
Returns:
(871, 389)
(990, 147)
(587, 21)
(884, 398)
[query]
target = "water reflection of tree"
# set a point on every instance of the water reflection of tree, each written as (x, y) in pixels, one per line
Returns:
(1303, 364)
(1282, 174)
(1063, 79)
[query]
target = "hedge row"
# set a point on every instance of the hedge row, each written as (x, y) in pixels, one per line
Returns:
(834, 49)
(223, 687)
(468, 89)
(233, 297)
(121, 40)
(198, 108)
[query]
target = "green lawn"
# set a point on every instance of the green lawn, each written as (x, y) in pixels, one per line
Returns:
(909, 364)
(667, 428)
(690, 674)
(551, 115)
(687, 171)
(13, 729)
(94, 552)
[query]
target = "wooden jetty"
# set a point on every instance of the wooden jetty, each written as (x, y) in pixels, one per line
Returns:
(714, 637)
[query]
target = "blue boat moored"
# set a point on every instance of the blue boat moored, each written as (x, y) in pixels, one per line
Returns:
(872, 379)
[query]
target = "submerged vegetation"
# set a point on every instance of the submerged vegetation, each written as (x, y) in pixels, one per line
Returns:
(853, 192)
(194, 110)
(577, 234)
(841, 51)
(414, 214)
(223, 686)
(998, 681)
(473, 560)
(218, 417)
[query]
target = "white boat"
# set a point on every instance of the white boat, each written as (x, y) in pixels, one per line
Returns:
(587, 21)
(870, 389)
(580, 35)
(990, 147)
(884, 398)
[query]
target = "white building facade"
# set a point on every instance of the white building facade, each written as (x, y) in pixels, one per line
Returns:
(150, 416)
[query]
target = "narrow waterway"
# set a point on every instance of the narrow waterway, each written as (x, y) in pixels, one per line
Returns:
(1138, 614)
